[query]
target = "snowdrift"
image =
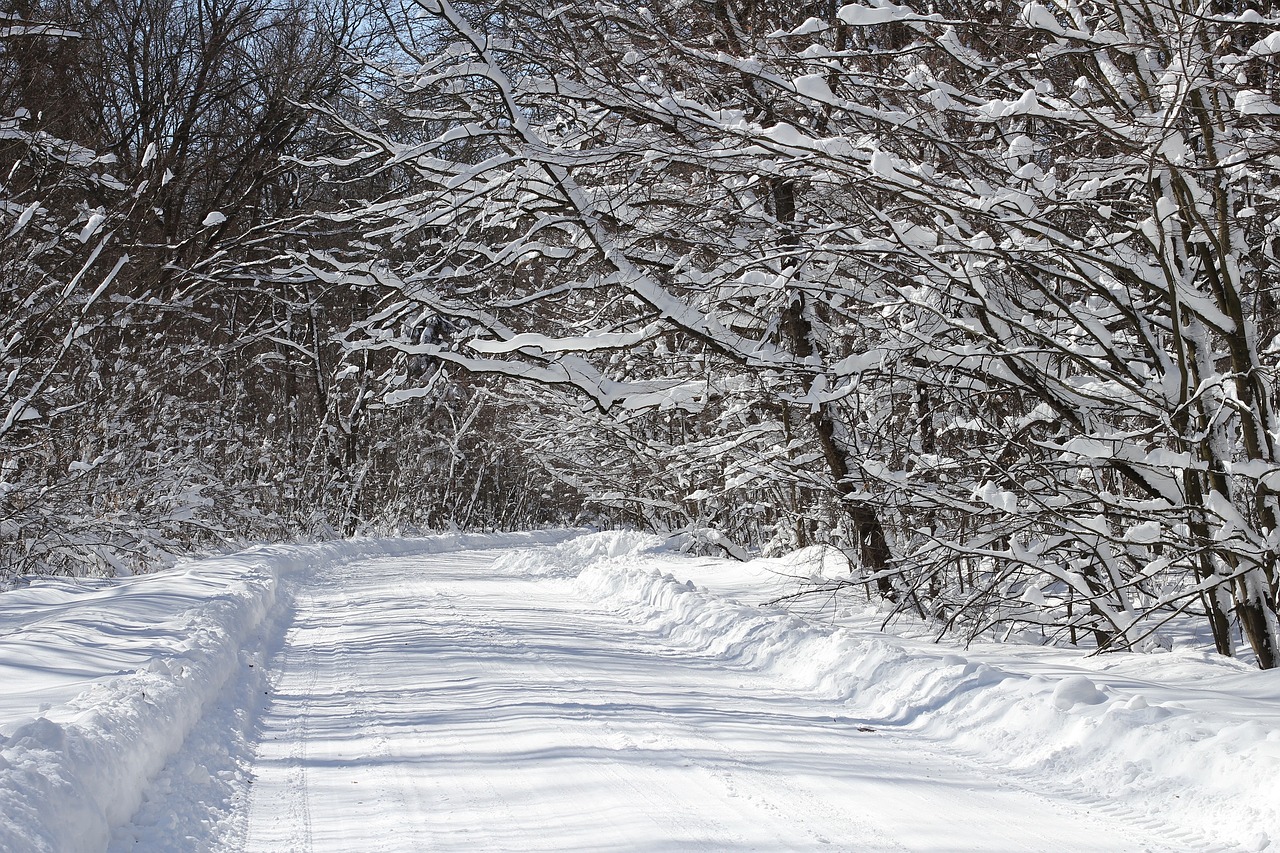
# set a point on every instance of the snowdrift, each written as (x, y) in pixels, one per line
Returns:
(570, 558)
(122, 671)
(1201, 755)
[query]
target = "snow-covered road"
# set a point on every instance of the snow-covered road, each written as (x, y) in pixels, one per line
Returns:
(559, 691)
(437, 703)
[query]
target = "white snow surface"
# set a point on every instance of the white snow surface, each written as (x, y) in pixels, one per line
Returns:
(104, 680)
(540, 692)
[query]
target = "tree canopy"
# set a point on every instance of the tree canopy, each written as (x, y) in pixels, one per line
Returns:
(982, 295)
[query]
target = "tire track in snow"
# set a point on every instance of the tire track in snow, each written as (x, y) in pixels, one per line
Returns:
(504, 715)
(294, 737)
(595, 729)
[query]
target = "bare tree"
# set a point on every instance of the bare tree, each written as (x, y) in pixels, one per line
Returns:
(1001, 280)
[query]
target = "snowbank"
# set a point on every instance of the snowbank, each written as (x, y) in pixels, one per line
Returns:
(569, 558)
(1203, 760)
(104, 679)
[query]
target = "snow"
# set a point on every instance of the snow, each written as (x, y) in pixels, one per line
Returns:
(814, 86)
(91, 227)
(878, 12)
(885, 165)
(810, 26)
(1036, 15)
(24, 218)
(1266, 46)
(1130, 733)
(999, 108)
(545, 344)
(1252, 103)
(105, 678)
(598, 692)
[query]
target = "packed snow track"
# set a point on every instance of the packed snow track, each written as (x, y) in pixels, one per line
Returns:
(438, 703)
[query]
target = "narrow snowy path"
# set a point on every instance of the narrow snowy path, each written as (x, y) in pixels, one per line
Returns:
(427, 703)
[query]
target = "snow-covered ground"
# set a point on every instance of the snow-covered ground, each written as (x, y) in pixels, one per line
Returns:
(509, 692)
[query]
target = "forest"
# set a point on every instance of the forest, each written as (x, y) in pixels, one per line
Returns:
(981, 295)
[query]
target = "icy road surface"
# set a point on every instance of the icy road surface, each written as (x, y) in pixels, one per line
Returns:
(437, 703)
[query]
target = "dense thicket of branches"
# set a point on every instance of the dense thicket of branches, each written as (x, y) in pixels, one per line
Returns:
(981, 294)
(158, 392)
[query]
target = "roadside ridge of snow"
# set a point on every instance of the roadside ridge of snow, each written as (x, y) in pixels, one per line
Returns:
(70, 775)
(1178, 772)
(568, 559)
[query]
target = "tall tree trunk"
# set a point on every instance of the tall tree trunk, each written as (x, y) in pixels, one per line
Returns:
(873, 546)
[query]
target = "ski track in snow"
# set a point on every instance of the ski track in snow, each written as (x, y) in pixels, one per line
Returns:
(432, 702)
